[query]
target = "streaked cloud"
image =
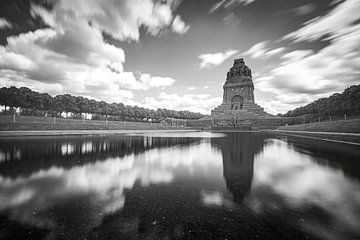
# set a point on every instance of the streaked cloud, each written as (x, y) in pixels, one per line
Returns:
(305, 75)
(4, 23)
(120, 19)
(209, 60)
(179, 26)
(334, 24)
(72, 56)
(229, 4)
(260, 50)
(301, 10)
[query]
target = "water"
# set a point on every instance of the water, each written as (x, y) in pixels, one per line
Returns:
(179, 186)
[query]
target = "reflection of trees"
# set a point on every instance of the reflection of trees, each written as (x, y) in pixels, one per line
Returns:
(23, 157)
(238, 151)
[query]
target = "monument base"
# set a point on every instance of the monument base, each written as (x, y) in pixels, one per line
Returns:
(248, 111)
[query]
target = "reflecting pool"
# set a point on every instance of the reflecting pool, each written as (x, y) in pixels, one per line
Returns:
(193, 185)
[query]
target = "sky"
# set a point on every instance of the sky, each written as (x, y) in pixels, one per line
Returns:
(175, 54)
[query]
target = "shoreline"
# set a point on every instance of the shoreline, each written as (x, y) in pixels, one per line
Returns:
(41, 133)
(335, 137)
(341, 137)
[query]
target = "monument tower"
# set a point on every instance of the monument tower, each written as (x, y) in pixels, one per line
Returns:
(238, 97)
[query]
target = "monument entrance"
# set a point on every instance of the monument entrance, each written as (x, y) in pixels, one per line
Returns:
(236, 102)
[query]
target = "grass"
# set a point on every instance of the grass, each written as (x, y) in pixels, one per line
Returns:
(344, 126)
(26, 123)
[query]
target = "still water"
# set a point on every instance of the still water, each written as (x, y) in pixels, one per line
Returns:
(179, 186)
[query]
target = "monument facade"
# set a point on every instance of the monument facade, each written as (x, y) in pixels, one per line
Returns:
(238, 97)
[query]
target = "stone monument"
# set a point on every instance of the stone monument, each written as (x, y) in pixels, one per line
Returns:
(238, 102)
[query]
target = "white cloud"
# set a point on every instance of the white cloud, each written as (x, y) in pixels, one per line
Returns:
(192, 102)
(191, 88)
(179, 26)
(229, 4)
(151, 82)
(122, 19)
(209, 60)
(257, 50)
(260, 50)
(71, 56)
(297, 55)
(275, 51)
(333, 24)
(305, 75)
(4, 23)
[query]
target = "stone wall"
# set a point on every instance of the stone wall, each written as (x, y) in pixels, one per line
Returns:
(250, 123)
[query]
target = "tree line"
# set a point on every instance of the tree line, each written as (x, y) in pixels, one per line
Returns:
(338, 104)
(43, 104)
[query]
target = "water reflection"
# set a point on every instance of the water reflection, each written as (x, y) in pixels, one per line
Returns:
(47, 194)
(238, 153)
(24, 157)
(303, 189)
(234, 186)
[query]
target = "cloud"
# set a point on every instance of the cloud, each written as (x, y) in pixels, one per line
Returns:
(209, 60)
(304, 9)
(229, 4)
(179, 26)
(72, 56)
(260, 50)
(300, 10)
(4, 23)
(153, 82)
(202, 103)
(334, 24)
(306, 75)
(121, 19)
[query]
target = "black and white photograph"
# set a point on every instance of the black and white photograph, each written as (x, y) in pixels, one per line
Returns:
(179, 119)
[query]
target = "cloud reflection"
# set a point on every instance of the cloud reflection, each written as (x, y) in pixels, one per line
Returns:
(287, 180)
(100, 185)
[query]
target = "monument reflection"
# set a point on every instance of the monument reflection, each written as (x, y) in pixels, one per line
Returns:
(238, 153)
(178, 186)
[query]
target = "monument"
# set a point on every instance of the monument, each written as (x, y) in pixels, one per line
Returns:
(238, 103)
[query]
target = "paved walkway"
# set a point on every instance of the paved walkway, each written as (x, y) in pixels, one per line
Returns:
(354, 137)
(324, 133)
